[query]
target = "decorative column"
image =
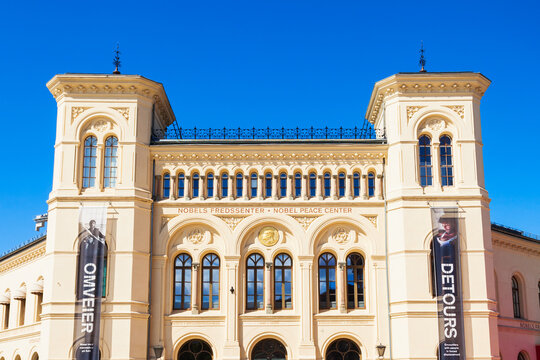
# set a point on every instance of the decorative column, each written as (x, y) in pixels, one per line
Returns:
(268, 287)
(305, 181)
(348, 187)
(290, 188)
(174, 188)
(320, 183)
(187, 187)
(245, 182)
(307, 301)
(333, 186)
(231, 187)
(275, 187)
(364, 187)
(379, 186)
(260, 186)
(195, 289)
(99, 166)
(341, 285)
(231, 297)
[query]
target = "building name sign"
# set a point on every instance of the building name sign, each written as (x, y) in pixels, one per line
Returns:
(265, 210)
(529, 325)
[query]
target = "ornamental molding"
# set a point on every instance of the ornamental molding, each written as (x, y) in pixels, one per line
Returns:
(516, 247)
(305, 221)
(196, 236)
(372, 219)
(232, 221)
(76, 111)
(341, 236)
(197, 157)
(23, 259)
(124, 111)
(411, 110)
(434, 124)
(458, 109)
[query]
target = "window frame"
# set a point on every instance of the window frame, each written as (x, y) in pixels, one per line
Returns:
(166, 186)
(356, 289)
(239, 185)
(268, 180)
(210, 189)
(182, 295)
(425, 161)
(327, 267)
(312, 184)
(181, 186)
(90, 180)
(516, 298)
(254, 268)
(253, 179)
(195, 185)
(356, 184)
(283, 268)
(211, 280)
(224, 184)
(109, 181)
(342, 184)
(371, 184)
(445, 157)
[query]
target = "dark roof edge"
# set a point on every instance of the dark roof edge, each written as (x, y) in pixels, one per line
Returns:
(513, 232)
(23, 247)
(266, 141)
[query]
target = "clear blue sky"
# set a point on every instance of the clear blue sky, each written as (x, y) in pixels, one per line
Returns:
(269, 63)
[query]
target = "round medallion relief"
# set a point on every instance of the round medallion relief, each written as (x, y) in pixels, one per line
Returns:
(268, 236)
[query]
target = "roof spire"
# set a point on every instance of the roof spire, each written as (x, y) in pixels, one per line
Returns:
(116, 60)
(422, 61)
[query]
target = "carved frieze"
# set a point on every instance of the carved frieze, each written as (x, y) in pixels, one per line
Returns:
(76, 111)
(435, 124)
(124, 111)
(372, 219)
(232, 221)
(411, 110)
(196, 236)
(341, 235)
(458, 109)
(305, 221)
(355, 158)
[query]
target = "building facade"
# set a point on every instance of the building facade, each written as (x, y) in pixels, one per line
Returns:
(256, 244)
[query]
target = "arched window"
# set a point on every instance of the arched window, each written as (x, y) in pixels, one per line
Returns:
(181, 185)
(268, 184)
(224, 185)
(182, 282)
(356, 184)
(312, 185)
(195, 350)
(89, 162)
(269, 349)
(210, 185)
(343, 349)
(255, 282)
(424, 153)
(195, 185)
(516, 300)
(327, 281)
(210, 282)
(282, 185)
(35, 356)
(254, 184)
(371, 184)
(355, 281)
(282, 282)
(447, 172)
(109, 174)
(327, 184)
(297, 185)
(522, 356)
(341, 184)
(6, 307)
(166, 185)
(239, 185)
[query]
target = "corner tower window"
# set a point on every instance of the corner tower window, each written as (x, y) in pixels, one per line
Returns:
(371, 184)
(89, 162)
(447, 170)
(109, 174)
(424, 152)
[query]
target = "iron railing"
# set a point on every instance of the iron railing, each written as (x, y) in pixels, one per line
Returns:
(179, 133)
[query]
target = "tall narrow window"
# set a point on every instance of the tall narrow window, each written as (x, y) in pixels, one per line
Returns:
(181, 184)
(371, 184)
(22, 311)
(224, 185)
(355, 281)
(521, 356)
(283, 185)
(516, 300)
(268, 184)
(7, 309)
(447, 169)
(39, 302)
(210, 282)
(255, 282)
(312, 185)
(210, 185)
(327, 281)
(327, 184)
(282, 282)
(297, 185)
(239, 185)
(111, 149)
(356, 184)
(182, 282)
(195, 185)
(341, 184)
(166, 185)
(424, 153)
(89, 162)
(253, 185)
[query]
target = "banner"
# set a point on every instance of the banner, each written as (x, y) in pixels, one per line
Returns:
(448, 283)
(90, 273)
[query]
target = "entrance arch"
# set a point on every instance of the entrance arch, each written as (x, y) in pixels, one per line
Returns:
(343, 349)
(195, 349)
(269, 349)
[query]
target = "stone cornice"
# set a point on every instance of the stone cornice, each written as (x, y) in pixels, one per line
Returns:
(23, 258)
(517, 244)
(425, 84)
(86, 85)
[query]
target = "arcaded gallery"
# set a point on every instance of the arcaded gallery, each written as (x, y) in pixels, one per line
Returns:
(300, 243)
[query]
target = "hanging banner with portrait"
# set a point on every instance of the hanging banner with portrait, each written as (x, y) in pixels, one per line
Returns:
(90, 281)
(446, 265)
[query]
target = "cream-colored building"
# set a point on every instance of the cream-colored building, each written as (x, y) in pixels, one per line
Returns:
(296, 244)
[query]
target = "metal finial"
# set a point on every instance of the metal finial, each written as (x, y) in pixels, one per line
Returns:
(422, 61)
(116, 61)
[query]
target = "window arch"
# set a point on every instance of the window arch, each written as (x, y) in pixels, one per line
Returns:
(89, 162)
(210, 282)
(447, 170)
(195, 349)
(355, 281)
(254, 185)
(283, 185)
(342, 178)
(224, 185)
(254, 282)
(239, 185)
(327, 184)
(195, 185)
(282, 282)
(522, 356)
(312, 185)
(35, 356)
(182, 282)
(371, 184)
(327, 281)
(424, 153)
(166, 185)
(343, 349)
(297, 184)
(268, 184)
(210, 185)
(516, 298)
(181, 184)
(111, 158)
(356, 184)
(269, 349)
